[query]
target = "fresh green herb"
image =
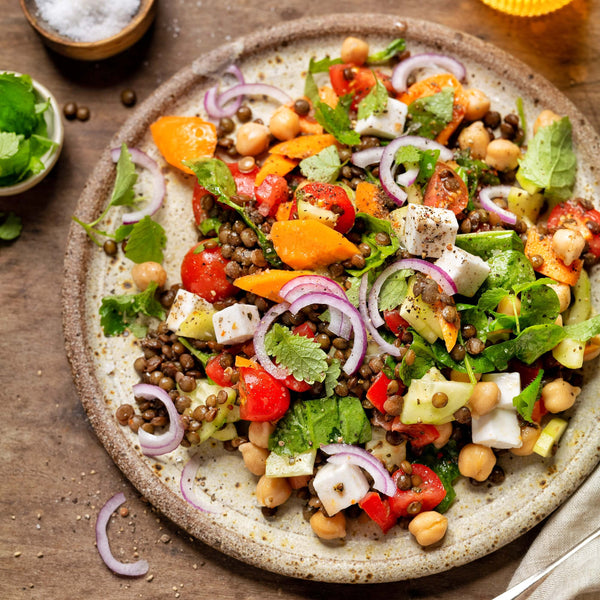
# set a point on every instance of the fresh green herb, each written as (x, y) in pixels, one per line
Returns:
(425, 160)
(389, 367)
(332, 376)
(336, 120)
(490, 299)
(394, 290)
(352, 291)
(323, 167)
(508, 269)
(122, 232)
(311, 90)
(585, 330)
(301, 355)
(526, 400)
(489, 243)
(208, 225)
(322, 66)
(522, 119)
(395, 47)
(550, 163)
(10, 226)
(291, 434)
(202, 245)
(118, 313)
(444, 463)
(408, 155)
(424, 360)
(477, 364)
(375, 102)
(476, 173)
(203, 357)
(539, 305)
(146, 241)
(430, 114)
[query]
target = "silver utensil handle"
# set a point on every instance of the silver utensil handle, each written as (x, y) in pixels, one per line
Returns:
(518, 589)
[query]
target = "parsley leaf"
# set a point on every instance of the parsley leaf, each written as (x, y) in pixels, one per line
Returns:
(10, 226)
(118, 313)
(395, 47)
(375, 102)
(146, 241)
(301, 355)
(336, 120)
(526, 400)
(430, 114)
(323, 167)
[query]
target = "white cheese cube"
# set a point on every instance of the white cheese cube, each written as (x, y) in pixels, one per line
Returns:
(340, 486)
(509, 384)
(387, 124)
(467, 270)
(191, 316)
(498, 429)
(236, 323)
(428, 231)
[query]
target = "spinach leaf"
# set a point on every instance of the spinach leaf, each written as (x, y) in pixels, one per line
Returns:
(508, 269)
(538, 305)
(424, 360)
(478, 364)
(10, 226)
(488, 243)
(203, 357)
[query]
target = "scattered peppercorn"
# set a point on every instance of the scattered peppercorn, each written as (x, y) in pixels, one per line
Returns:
(128, 97)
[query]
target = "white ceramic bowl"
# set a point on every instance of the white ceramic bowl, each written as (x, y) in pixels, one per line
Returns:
(55, 133)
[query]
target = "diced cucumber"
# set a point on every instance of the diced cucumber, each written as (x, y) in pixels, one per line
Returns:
(391, 456)
(229, 432)
(550, 436)
(420, 315)
(397, 218)
(569, 353)
(290, 466)
(418, 406)
(525, 205)
(528, 186)
(581, 307)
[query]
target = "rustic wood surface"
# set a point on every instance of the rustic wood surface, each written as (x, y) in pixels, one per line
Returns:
(54, 474)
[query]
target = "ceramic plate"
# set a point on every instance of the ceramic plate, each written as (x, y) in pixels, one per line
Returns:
(483, 518)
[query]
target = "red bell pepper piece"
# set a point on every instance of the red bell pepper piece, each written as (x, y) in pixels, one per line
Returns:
(379, 510)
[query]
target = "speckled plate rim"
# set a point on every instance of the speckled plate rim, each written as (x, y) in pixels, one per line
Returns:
(277, 559)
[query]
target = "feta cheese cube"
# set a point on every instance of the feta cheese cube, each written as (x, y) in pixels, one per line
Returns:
(509, 384)
(387, 124)
(428, 231)
(236, 323)
(467, 270)
(497, 429)
(191, 316)
(339, 486)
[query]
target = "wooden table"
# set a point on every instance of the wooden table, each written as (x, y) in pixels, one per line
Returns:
(54, 474)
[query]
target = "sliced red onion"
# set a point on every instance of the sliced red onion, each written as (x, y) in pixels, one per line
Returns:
(364, 312)
(367, 157)
(359, 349)
(254, 89)
(188, 489)
(497, 191)
(419, 61)
(355, 455)
(135, 569)
(373, 303)
(259, 341)
(158, 184)
(213, 104)
(155, 445)
(418, 264)
(408, 177)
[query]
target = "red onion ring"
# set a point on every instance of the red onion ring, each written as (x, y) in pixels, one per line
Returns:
(135, 569)
(440, 276)
(406, 67)
(373, 302)
(341, 453)
(188, 489)
(254, 89)
(259, 341)
(213, 105)
(497, 191)
(359, 349)
(408, 177)
(158, 184)
(367, 157)
(155, 445)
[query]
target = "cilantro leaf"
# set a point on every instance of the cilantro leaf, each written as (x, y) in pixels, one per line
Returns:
(394, 290)
(322, 66)
(408, 155)
(395, 47)
(550, 162)
(146, 241)
(323, 167)
(332, 376)
(336, 120)
(375, 102)
(430, 114)
(301, 355)
(123, 194)
(526, 400)
(10, 226)
(117, 313)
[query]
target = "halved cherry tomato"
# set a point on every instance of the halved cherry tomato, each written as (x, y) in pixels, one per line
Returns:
(418, 434)
(539, 410)
(573, 215)
(262, 397)
(359, 84)
(430, 492)
(199, 213)
(244, 181)
(446, 189)
(327, 203)
(204, 274)
(396, 324)
(270, 194)
(216, 372)
(379, 510)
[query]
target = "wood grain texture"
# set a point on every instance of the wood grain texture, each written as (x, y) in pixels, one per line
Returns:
(54, 474)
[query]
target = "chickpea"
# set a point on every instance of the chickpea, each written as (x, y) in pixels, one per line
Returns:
(476, 461)
(502, 155)
(464, 377)
(299, 481)
(563, 291)
(559, 321)
(259, 432)
(445, 431)
(354, 50)
(272, 491)
(252, 139)
(545, 118)
(529, 436)
(559, 395)
(428, 527)
(144, 273)
(484, 398)
(284, 124)
(509, 305)
(255, 458)
(592, 348)
(477, 104)
(476, 138)
(328, 528)
(568, 245)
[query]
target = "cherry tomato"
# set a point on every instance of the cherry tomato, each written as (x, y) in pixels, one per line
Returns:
(430, 492)
(360, 83)
(327, 203)
(216, 372)
(377, 393)
(262, 397)
(419, 434)
(244, 181)
(204, 274)
(379, 510)
(396, 324)
(199, 213)
(573, 215)
(270, 194)
(446, 189)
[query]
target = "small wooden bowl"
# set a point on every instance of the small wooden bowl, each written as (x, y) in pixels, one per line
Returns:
(92, 50)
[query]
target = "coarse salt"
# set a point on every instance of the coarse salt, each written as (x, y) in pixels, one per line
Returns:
(87, 20)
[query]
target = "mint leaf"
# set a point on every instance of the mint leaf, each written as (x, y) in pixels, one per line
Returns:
(301, 355)
(117, 313)
(394, 290)
(336, 121)
(430, 114)
(585, 330)
(123, 194)
(9, 145)
(10, 227)
(550, 162)
(311, 90)
(15, 157)
(322, 66)
(323, 167)
(526, 400)
(375, 102)
(395, 47)
(146, 241)
(122, 232)
(17, 104)
(332, 377)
